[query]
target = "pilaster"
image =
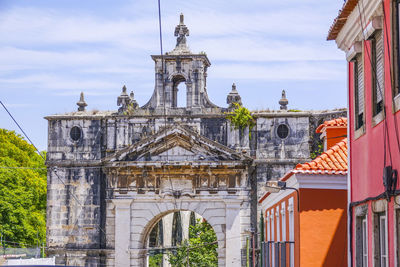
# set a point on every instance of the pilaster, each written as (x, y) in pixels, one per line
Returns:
(122, 230)
(232, 239)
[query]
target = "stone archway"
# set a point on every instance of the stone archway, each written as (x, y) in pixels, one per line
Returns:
(135, 218)
(214, 214)
(144, 185)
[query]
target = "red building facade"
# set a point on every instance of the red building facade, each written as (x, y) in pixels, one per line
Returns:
(368, 32)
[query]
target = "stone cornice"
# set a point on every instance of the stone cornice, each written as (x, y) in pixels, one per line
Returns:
(183, 56)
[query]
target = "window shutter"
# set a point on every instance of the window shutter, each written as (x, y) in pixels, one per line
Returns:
(379, 66)
(360, 84)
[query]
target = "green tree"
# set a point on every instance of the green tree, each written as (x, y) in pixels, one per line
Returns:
(201, 248)
(22, 191)
(155, 260)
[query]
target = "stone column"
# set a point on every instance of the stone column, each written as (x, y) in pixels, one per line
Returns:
(185, 218)
(122, 231)
(232, 136)
(189, 94)
(167, 235)
(233, 241)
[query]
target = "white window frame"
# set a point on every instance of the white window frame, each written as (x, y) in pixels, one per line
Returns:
(283, 212)
(383, 238)
(272, 225)
(396, 231)
(291, 229)
(278, 226)
(268, 227)
(273, 234)
(364, 226)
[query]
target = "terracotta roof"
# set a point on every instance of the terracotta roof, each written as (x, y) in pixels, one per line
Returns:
(341, 19)
(339, 122)
(332, 161)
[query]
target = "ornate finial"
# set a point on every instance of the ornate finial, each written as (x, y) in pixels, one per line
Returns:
(283, 102)
(81, 103)
(124, 90)
(233, 97)
(133, 102)
(126, 101)
(181, 31)
(234, 87)
(123, 100)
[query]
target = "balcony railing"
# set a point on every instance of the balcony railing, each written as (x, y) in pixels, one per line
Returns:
(277, 254)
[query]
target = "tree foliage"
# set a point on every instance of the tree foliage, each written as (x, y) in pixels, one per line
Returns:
(201, 248)
(241, 118)
(22, 191)
(155, 260)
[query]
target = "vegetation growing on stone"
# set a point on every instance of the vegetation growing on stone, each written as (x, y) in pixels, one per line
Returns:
(318, 151)
(22, 191)
(241, 118)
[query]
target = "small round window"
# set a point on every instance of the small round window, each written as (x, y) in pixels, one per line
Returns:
(75, 133)
(283, 131)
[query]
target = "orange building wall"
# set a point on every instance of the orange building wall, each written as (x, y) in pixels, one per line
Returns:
(334, 136)
(323, 234)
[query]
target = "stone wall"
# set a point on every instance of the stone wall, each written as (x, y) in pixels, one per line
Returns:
(74, 166)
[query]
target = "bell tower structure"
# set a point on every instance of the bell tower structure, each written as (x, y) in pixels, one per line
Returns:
(180, 66)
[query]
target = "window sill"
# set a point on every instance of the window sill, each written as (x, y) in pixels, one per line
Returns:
(378, 118)
(396, 103)
(359, 132)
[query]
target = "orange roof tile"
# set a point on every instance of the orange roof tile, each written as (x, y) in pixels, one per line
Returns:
(339, 122)
(341, 19)
(332, 161)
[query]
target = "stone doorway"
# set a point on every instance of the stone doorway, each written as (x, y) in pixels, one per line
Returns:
(181, 237)
(176, 170)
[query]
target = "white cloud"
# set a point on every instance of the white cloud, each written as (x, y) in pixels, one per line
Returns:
(60, 84)
(289, 71)
(20, 59)
(277, 40)
(265, 50)
(41, 26)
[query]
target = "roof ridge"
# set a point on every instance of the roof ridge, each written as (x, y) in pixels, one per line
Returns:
(333, 159)
(337, 122)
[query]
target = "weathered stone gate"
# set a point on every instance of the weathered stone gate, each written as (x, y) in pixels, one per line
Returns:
(113, 174)
(176, 169)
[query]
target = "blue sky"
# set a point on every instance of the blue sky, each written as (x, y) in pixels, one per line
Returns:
(50, 51)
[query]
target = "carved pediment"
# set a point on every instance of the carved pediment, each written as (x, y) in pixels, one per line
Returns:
(176, 143)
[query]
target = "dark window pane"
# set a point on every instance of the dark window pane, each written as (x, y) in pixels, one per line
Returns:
(75, 133)
(283, 131)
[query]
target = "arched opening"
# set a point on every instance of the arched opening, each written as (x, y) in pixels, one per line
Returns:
(182, 238)
(179, 98)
